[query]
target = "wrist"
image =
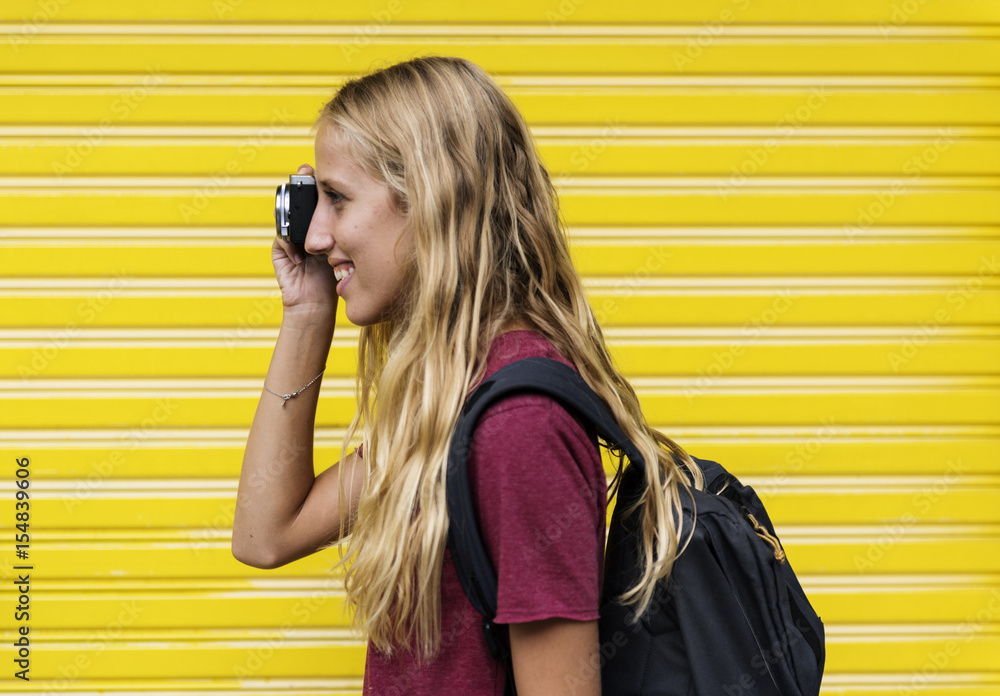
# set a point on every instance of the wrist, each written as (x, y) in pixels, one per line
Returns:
(292, 395)
(308, 337)
(309, 319)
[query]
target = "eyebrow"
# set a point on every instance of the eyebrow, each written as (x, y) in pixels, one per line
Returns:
(336, 185)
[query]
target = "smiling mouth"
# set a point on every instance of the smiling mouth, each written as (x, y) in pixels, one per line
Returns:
(343, 272)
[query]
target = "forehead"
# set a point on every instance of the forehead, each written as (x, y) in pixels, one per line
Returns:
(337, 161)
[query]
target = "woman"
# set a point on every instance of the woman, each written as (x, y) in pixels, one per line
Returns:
(438, 226)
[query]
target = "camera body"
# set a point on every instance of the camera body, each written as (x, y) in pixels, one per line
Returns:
(294, 204)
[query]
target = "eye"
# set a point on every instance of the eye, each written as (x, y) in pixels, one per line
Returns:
(333, 196)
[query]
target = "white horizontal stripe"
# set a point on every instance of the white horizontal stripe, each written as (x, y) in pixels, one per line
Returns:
(624, 284)
(487, 30)
(891, 582)
(863, 484)
(334, 386)
(26, 235)
(790, 485)
(210, 638)
(183, 537)
(109, 185)
(164, 438)
(917, 532)
(849, 633)
(703, 134)
(347, 336)
(733, 435)
(139, 639)
(138, 488)
(217, 686)
(768, 284)
(553, 84)
(296, 586)
(894, 683)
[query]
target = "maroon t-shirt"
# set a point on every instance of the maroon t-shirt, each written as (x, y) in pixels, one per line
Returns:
(540, 491)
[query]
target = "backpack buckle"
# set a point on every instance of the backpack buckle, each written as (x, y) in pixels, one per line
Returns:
(491, 638)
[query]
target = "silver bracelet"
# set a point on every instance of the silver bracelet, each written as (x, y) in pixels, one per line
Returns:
(286, 397)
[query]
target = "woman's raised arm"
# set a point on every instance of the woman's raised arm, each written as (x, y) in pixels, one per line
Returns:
(283, 510)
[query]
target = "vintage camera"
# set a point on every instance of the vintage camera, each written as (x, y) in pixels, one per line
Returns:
(294, 204)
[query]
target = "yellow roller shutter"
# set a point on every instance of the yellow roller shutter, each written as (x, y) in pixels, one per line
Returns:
(788, 219)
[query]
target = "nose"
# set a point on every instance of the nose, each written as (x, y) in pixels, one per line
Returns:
(319, 238)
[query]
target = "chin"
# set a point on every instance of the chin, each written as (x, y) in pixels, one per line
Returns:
(361, 318)
(372, 314)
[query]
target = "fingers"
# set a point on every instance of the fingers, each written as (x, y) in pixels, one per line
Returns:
(305, 170)
(290, 250)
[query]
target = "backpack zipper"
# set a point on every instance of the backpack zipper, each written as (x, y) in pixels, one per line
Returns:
(779, 553)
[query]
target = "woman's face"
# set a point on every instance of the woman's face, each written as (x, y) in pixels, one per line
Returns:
(357, 228)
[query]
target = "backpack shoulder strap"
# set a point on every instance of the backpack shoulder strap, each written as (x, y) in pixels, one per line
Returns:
(529, 375)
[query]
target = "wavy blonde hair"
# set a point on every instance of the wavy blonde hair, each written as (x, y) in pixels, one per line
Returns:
(458, 158)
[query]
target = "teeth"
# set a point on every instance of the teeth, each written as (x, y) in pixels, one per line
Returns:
(341, 274)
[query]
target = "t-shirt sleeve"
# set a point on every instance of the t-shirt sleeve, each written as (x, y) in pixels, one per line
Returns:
(541, 492)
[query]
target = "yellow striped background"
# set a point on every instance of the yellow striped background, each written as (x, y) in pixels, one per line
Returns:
(787, 218)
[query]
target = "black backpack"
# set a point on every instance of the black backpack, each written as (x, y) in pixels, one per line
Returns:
(732, 619)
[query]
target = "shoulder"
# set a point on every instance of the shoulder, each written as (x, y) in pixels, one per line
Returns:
(517, 345)
(522, 409)
(529, 424)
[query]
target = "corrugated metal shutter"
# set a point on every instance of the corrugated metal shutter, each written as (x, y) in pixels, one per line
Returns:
(787, 215)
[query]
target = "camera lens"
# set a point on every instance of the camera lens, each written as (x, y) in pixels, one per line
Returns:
(281, 211)
(294, 204)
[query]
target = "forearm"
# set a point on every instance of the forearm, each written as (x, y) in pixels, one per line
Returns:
(556, 657)
(277, 472)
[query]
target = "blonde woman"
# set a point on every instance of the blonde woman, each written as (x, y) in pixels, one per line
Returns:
(438, 227)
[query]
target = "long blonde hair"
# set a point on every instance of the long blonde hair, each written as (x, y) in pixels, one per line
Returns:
(459, 159)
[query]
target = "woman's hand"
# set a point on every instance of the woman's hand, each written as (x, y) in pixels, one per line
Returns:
(308, 287)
